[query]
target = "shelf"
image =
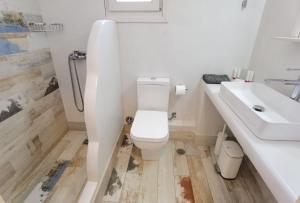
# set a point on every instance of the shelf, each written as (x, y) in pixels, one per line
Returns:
(291, 39)
(43, 27)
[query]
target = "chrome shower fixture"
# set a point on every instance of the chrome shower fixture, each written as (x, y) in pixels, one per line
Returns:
(72, 61)
(78, 55)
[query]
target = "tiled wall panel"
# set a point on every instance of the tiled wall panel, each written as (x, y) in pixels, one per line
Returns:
(32, 118)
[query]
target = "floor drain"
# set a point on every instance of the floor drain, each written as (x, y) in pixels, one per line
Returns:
(180, 151)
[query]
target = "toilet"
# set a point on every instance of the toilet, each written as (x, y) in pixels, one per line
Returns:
(150, 131)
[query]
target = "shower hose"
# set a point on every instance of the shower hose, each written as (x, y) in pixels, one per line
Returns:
(72, 60)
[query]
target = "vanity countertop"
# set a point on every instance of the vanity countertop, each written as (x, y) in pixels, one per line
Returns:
(278, 162)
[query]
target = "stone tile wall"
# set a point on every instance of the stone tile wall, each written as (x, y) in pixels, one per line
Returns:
(32, 117)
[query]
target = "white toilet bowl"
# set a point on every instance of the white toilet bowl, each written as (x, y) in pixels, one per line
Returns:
(150, 133)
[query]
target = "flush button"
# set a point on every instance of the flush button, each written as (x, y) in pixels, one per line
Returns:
(153, 78)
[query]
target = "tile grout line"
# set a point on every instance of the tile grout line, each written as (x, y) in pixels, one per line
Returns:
(173, 158)
(206, 176)
(126, 173)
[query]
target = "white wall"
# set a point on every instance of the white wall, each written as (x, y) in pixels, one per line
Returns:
(77, 17)
(271, 57)
(201, 36)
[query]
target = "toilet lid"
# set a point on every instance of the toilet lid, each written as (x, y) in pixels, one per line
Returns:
(151, 126)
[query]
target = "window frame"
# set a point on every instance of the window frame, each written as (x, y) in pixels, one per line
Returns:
(136, 12)
(131, 6)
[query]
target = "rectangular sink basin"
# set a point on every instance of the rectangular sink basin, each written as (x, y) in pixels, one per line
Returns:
(275, 116)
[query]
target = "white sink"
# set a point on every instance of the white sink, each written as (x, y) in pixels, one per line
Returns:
(280, 119)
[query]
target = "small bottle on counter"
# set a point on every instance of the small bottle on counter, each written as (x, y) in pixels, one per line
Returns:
(236, 74)
(249, 76)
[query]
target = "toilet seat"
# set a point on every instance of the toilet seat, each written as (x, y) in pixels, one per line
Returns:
(150, 126)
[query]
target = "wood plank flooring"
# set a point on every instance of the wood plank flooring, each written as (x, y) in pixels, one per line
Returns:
(70, 149)
(181, 178)
(166, 175)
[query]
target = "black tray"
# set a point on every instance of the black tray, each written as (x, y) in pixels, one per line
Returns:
(215, 79)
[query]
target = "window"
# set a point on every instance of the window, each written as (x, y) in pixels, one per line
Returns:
(135, 10)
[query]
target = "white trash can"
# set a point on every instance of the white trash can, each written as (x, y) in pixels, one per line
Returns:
(230, 159)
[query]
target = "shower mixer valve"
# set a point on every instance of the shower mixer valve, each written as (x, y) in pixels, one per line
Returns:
(72, 61)
(78, 55)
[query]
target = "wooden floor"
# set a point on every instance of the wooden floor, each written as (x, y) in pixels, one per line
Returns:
(66, 182)
(186, 178)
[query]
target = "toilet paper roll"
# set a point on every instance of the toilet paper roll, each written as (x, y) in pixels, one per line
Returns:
(180, 89)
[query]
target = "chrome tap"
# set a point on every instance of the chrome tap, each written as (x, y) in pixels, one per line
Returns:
(296, 92)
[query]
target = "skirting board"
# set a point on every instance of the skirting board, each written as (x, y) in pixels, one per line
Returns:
(179, 131)
(80, 126)
(182, 135)
(205, 140)
(191, 135)
(175, 133)
(187, 130)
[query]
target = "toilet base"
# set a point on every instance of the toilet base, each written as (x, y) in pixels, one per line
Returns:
(151, 155)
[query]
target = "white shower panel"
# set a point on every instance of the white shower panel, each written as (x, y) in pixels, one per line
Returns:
(103, 97)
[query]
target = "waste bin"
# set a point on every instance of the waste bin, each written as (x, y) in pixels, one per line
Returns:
(230, 159)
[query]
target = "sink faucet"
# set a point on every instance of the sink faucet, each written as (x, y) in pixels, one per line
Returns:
(296, 92)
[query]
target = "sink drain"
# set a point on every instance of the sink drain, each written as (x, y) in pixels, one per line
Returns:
(259, 108)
